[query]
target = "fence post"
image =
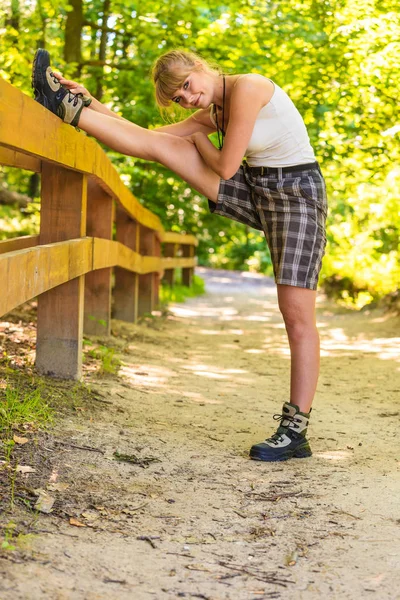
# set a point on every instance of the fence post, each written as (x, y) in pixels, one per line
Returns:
(157, 276)
(60, 310)
(146, 282)
(187, 273)
(126, 289)
(170, 251)
(100, 217)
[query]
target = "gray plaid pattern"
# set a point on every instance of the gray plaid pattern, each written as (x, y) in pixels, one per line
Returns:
(291, 209)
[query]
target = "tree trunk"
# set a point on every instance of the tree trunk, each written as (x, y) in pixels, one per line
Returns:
(14, 198)
(41, 40)
(73, 34)
(103, 48)
(33, 189)
(13, 20)
(12, 28)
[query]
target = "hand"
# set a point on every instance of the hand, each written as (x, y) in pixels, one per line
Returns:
(72, 86)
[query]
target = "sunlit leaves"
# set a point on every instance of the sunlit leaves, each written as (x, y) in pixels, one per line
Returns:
(337, 59)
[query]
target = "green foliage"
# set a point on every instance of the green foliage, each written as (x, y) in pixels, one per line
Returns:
(8, 541)
(362, 262)
(337, 59)
(20, 405)
(179, 292)
(12, 540)
(14, 222)
(109, 362)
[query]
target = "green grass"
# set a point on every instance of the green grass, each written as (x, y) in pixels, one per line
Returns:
(179, 292)
(109, 362)
(12, 540)
(20, 405)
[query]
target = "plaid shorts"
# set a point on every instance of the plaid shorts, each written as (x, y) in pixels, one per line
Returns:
(290, 207)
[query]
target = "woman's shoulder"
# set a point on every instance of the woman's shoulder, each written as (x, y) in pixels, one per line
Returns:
(256, 78)
(254, 81)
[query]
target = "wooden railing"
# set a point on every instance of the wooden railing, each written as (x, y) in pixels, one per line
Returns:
(68, 266)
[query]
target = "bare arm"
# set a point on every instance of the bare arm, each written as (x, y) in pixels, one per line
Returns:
(76, 88)
(248, 97)
(199, 121)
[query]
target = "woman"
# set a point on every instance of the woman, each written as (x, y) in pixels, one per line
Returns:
(280, 190)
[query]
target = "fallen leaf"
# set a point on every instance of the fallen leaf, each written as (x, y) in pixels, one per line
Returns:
(90, 515)
(25, 469)
(44, 503)
(19, 469)
(20, 440)
(75, 522)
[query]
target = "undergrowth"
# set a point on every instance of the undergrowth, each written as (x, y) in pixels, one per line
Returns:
(179, 292)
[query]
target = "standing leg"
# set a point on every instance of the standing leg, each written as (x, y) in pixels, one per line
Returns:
(298, 309)
(297, 306)
(175, 153)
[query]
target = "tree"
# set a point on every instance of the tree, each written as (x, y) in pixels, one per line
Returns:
(337, 59)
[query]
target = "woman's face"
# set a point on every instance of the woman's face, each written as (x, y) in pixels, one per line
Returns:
(196, 92)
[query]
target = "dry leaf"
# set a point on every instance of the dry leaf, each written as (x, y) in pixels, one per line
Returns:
(25, 469)
(90, 515)
(20, 468)
(44, 503)
(20, 440)
(75, 522)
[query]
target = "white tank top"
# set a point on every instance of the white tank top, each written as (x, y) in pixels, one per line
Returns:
(279, 137)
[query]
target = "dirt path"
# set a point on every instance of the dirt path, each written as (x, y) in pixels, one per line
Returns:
(196, 390)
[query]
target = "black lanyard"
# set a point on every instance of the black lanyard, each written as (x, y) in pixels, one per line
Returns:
(220, 131)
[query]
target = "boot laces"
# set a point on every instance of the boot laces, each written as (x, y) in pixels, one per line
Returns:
(54, 78)
(276, 438)
(74, 98)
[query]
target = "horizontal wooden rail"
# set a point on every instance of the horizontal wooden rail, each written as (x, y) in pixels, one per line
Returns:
(33, 271)
(31, 129)
(171, 237)
(68, 266)
(18, 243)
(12, 158)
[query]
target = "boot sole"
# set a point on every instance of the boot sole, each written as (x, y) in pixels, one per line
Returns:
(304, 452)
(40, 63)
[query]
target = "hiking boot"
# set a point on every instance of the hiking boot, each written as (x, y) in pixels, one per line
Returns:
(289, 441)
(52, 95)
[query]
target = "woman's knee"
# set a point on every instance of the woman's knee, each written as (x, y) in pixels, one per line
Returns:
(297, 306)
(300, 330)
(299, 323)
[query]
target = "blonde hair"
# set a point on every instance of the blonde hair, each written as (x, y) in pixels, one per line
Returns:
(172, 68)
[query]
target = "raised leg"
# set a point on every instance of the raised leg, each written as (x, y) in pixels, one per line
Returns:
(175, 153)
(297, 306)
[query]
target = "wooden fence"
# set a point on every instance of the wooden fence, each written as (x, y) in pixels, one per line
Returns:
(90, 223)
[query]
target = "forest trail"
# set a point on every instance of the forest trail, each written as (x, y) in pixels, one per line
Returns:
(196, 389)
